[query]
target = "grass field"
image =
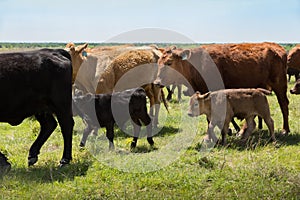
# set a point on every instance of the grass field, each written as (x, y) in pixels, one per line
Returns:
(176, 168)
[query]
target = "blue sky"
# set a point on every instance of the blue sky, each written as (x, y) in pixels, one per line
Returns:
(204, 21)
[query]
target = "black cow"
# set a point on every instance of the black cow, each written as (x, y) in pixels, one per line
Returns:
(38, 83)
(104, 110)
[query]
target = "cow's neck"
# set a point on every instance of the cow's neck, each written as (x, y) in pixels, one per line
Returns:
(193, 76)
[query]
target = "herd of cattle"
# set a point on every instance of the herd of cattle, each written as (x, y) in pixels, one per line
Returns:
(223, 80)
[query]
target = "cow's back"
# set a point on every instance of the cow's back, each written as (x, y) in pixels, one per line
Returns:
(32, 81)
(243, 102)
(248, 64)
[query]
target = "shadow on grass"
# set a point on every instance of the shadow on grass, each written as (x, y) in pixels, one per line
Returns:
(167, 131)
(144, 149)
(260, 138)
(50, 172)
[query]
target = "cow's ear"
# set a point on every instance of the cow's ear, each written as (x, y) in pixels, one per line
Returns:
(185, 54)
(72, 49)
(82, 47)
(198, 95)
(173, 47)
(204, 96)
(161, 50)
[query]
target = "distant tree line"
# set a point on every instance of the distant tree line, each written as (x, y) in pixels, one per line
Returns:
(12, 45)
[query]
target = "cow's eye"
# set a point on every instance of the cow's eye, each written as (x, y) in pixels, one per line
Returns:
(196, 105)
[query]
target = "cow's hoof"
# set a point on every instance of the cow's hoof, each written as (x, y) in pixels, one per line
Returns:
(32, 161)
(133, 145)
(64, 162)
(111, 147)
(284, 133)
(82, 144)
(150, 141)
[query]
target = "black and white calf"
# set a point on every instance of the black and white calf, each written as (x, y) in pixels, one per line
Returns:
(106, 110)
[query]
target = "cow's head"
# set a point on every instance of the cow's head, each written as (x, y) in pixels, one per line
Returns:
(296, 88)
(78, 55)
(294, 58)
(170, 65)
(197, 105)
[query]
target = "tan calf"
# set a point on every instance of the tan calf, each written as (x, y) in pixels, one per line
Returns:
(221, 106)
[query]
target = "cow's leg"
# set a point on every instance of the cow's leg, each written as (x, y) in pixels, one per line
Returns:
(284, 106)
(157, 96)
(235, 125)
(260, 123)
(4, 165)
(152, 105)
(250, 127)
(110, 136)
(66, 123)
(179, 89)
(48, 124)
(170, 93)
(157, 108)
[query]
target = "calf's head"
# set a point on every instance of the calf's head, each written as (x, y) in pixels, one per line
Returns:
(198, 104)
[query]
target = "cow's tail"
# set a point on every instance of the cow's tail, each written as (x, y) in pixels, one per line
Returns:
(163, 98)
(266, 92)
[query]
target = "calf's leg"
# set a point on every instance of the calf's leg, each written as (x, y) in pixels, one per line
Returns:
(270, 123)
(144, 117)
(250, 127)
(110, 136)
(136, 133)
(210, 132)
(87, 131)
(224, 131)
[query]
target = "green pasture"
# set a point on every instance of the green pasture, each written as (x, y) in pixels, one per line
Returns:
(178, 167)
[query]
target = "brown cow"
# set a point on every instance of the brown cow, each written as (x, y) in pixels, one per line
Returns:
(89, 64)
(246, 65)
(222, 105)
(92, 76)
(293, 59)
(296, 88)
